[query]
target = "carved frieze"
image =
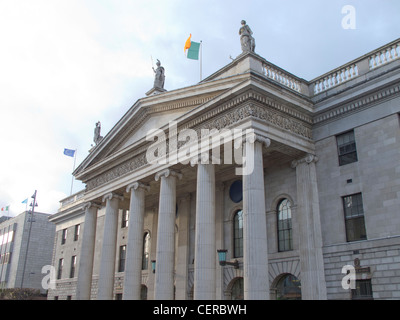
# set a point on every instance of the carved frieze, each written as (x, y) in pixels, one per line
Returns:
(223, 116)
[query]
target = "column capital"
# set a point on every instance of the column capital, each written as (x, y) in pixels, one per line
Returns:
(91, 204)
(168, 172)
(111, 195)
(253, 137)
(136, 185)
(309, 158)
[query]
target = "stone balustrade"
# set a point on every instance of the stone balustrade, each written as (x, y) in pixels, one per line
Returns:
(281, 76)
(338, 76)
(72, 199)
(355, 68)
(385, 55)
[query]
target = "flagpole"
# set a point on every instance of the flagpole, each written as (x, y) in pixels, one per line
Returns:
(73, 169)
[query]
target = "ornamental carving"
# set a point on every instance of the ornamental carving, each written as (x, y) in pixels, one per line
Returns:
(224, 116)
(118, 171)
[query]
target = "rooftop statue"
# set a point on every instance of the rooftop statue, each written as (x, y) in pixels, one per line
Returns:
(97, 137)
(246, 40)
(159, 76)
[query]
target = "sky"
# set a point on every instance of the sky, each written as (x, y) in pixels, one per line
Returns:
(66, 64)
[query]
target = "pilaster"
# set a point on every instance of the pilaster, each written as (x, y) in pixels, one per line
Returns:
(313, 286)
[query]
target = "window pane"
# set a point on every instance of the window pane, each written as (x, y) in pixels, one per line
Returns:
(284, 225)
(363, 290)
(146, 251)
(238, 234)
(347, 149)
(288, 288)
(122, 258)
(237, 290)
(354, 217)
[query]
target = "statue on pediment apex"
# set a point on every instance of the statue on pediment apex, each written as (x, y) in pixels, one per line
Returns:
(246, 39)
(159, 76)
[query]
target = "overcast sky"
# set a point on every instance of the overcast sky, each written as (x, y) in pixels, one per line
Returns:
(66, 64)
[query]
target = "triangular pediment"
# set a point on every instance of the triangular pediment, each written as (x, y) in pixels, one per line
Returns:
(190, 105)
(153, 112)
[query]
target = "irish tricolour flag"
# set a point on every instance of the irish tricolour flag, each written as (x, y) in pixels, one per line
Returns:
(192, 48)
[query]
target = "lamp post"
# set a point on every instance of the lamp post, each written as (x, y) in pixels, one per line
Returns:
(222, 259)
(33, 205)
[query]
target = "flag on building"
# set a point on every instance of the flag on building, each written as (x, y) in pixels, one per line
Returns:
(6, 208)
(69, 152)
(25, 201)
(193, 49)
(187, 43)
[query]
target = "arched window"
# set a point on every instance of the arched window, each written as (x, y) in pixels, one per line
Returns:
(143, 292)
(238, 234)
(288, 288)
(237, 290)
(146, 251)
(285, 239)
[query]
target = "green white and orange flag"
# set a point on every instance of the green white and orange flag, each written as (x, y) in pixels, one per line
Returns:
(192, 48)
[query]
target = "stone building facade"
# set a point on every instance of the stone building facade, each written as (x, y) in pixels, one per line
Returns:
(316, 217)
(26, 246)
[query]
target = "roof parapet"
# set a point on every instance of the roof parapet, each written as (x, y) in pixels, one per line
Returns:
(356, 68)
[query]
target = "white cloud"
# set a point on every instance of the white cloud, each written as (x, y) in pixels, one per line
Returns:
(66, 64)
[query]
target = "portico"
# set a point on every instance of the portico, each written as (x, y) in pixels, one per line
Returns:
(119, 176)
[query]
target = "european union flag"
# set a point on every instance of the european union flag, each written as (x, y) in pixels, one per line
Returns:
(69, 152)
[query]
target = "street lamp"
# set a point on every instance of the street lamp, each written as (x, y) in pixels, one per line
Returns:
(222, 259)
(33, 205)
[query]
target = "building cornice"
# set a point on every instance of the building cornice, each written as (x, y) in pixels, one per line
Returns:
(356, 105)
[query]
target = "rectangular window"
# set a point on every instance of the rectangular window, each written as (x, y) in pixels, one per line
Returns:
(347, 150)
(354, 217)
(363, 290)
(5, 258)
(64, 236)
(122, 258)
(76, 232)
(125, 218)
(60, 267)
(238, 234)
(73, 267)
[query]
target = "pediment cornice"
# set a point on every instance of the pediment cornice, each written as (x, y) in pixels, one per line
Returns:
(213, 114)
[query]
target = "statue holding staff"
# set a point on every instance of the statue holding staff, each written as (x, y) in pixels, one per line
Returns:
(159, 76)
